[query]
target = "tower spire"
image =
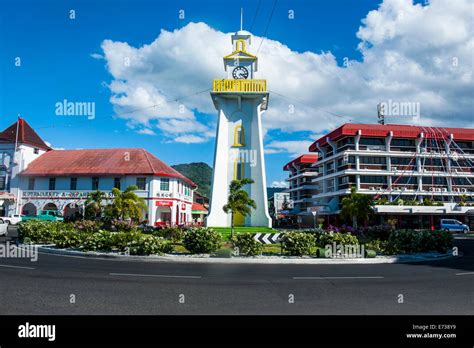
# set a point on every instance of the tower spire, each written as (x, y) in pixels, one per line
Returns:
(241, 18)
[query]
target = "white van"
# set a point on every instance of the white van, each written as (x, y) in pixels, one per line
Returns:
(3, 228)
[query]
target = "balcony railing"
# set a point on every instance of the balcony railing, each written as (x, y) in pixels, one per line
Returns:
(239, 86)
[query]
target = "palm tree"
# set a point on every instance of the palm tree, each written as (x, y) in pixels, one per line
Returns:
(238, 201)
(356, 206)
(93, 204)
(126, 204)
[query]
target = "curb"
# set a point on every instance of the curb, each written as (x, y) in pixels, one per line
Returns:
(48, 249)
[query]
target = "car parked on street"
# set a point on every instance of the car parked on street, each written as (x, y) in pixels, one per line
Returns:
(12, 220)
(453, 225)
(45, 215)
(3, 227)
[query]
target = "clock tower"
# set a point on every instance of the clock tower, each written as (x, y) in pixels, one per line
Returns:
(240, 100)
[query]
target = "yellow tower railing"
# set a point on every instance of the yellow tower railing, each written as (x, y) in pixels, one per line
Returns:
(239, 86)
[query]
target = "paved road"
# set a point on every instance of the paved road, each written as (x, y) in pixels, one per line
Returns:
(132, 287)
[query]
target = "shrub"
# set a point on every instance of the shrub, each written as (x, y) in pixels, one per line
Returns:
(381, 232)
(443, 240)
(410, 241)
(247, 244)
(147, 244)
(379, 246)
(97, 241)
(298, 243)
(69, 239)
(175, 234)
(87, 225)
(338, 238)
(202, 240)
(121, 225)
(42, 232)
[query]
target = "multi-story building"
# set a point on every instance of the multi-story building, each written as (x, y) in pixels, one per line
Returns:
(411, 171)
(301, 187)
(40, 178)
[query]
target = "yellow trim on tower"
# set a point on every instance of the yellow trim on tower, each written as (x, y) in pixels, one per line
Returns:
(239, 137)
(242, 45)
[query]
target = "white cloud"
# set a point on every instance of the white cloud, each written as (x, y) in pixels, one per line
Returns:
(293, 147)
(411, 53)
(280, 184)
(146, 131)
(190, 139)
(97, 56)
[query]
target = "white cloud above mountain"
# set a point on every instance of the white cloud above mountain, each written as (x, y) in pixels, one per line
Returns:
(411, 53)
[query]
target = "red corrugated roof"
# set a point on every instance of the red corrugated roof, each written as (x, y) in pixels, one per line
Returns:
(198, 207)
(308, 158)
(101, 162)
(399, 131)
(26, 135)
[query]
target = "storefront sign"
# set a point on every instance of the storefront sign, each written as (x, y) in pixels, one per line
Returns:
(60, 194)
(164, 203)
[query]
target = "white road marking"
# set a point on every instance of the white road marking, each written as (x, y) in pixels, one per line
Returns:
(22, 267)
(323, 278)
(154, 275)
(465, 273)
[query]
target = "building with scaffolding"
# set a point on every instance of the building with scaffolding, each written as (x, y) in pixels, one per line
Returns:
(415, 174)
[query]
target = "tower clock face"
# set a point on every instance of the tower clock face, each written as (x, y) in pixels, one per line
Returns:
(240, 72)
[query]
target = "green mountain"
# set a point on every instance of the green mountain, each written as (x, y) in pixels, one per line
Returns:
(198, 172)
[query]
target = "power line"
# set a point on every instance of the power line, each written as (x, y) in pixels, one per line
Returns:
(135, 110)
(312, 107)
(268, 24)
(255, 15)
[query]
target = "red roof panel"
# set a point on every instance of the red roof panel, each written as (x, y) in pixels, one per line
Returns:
(26, 135)
(308, 158)
(399, 131)
(101, 162)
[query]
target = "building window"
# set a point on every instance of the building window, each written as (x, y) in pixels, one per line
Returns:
(239, 136)
(52, 184)
(373, 179)
(141, 184)
(117, 183)
(36, 151)
(95, 183)
(73, 184)
(372, 141)
(165, 184)
(31, 183)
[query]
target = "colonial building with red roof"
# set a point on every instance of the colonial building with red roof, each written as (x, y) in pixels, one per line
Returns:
(36, 177)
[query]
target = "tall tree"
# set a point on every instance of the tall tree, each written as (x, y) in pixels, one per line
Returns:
(94, 205)
(238, 201)
(356, 206)
(126, 205)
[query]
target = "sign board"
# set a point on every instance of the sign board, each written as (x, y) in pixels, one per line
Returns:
(164, 203)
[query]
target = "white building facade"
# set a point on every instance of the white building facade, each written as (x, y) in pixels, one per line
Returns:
(240, 100)
(413, 172)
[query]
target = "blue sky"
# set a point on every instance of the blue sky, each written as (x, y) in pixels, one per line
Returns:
(56, 64)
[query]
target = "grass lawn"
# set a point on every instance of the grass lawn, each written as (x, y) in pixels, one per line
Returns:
(225, 231)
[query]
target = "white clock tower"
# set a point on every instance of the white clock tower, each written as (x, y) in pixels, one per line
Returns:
(240, 100)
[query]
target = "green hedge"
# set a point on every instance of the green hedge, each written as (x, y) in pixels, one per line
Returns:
(410, 241)
(338, 238)
(299, 243)
(247, 245)
(64, 235)
(202, 240)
